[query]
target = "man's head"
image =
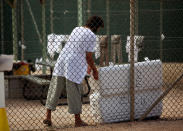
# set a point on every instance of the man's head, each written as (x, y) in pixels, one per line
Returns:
(94, 23)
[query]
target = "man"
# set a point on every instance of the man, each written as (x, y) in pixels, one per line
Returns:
(72, 65)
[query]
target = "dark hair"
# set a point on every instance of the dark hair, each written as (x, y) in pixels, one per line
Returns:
(94, 22)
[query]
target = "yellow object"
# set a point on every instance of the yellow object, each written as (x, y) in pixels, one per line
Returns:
(22, 70)
(3, 120)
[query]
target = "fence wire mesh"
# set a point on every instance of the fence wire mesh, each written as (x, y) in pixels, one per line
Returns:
(50, 39)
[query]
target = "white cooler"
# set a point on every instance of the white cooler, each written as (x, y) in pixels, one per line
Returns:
(111, 100)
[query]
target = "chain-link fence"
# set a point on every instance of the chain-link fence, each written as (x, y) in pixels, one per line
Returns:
(138, 55)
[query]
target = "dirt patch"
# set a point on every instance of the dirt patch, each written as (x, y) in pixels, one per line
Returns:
(134, 126)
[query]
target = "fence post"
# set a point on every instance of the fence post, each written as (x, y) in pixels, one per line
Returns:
(22, 29)
(80, 12)
(161, 30)
(14, 31)
(51, 16)
(89, 8)
(108, 31)
(44, 34)
(132, 99)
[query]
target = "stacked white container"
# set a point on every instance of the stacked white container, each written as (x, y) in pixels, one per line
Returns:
(111, 100)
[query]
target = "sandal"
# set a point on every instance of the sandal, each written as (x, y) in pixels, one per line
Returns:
(47, 122)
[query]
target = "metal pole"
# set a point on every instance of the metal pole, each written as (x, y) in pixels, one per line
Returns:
(132, 100)
(14, 32)
(51, 15)
(2, 28)
(136, 17)
(161, 30)
(22, 30)
(43, 34)
(80, 12)
(108, 28)
(34, 21)
(89, 8)
(160, 98)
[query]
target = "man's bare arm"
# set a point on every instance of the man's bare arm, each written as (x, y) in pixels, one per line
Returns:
(90, 62)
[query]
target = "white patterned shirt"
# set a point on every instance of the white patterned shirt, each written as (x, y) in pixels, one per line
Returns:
(71, 62)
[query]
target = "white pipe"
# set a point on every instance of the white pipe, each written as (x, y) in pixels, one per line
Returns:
(2, 96)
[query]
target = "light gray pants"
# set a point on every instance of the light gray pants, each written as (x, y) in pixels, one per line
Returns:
(74, 94)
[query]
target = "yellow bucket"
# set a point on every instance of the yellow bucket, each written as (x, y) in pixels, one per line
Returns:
(22, 70)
